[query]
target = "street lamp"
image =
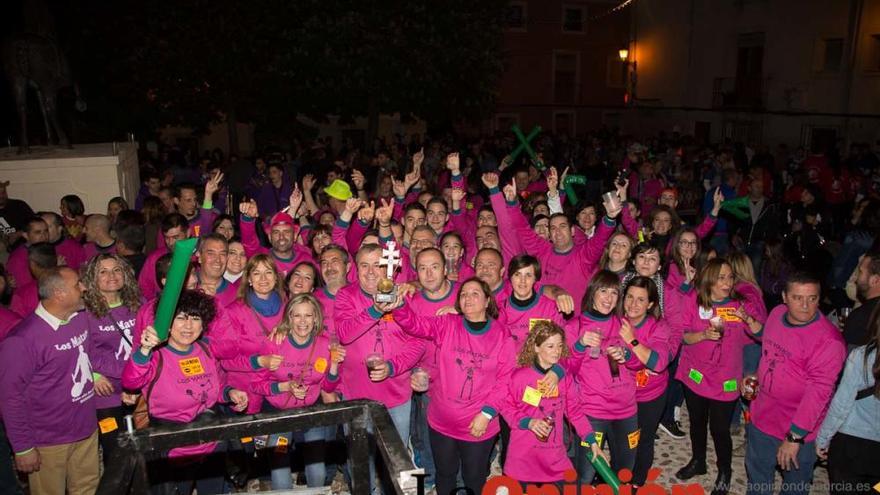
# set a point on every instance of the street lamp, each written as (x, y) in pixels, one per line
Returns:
(623, 53)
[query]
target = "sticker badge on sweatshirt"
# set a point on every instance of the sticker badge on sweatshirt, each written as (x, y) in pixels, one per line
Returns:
(320, 365)
(191, 366)
(696, 376)
(705, 314)
(532, 396)
(728, 314)
(730, 385)
(599, 435)
(108, 424)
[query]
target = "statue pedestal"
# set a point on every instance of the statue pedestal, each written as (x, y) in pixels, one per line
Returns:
(91, 171)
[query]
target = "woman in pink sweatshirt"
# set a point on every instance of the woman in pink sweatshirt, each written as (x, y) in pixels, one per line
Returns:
(475, 358)
(525, 306)
(182, 382)
(294, 367)
(606, 380)
(537, 452)
(247, 324)
(648, 338)
(714, 334)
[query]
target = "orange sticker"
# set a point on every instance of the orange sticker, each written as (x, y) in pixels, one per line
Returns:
(642, 378)
(388, 317)
(107, 425)
(320, 365)
(633, 438)
(197, 230)
(728, 314)
(191, 366)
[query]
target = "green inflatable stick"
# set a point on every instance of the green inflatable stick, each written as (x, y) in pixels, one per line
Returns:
(183, 251)
(738, 207)
(568, 186)
(605, 472)
(524, 144)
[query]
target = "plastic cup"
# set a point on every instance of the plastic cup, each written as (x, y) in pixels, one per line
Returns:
(374, 361)
(421, 379)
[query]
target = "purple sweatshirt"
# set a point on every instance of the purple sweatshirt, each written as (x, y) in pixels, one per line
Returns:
(90, 249)
(47, 397)
(604, 396)
(178, 386)
(363, 331)
(797, 375)
(8, 320)
(529, 459)
(473, 368)
(25, 299)
(712, 369)
(308, 364)
(109, 351)
(70, 253)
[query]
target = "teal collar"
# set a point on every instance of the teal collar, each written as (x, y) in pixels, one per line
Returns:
(298, 346)
(477, 327)
(789, 324)
(597, 316)
(327, 293)
(441, 298)
(180, 353)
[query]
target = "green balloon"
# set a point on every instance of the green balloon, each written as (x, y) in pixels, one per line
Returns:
(568, 186)
(605, 472)
(183, 251)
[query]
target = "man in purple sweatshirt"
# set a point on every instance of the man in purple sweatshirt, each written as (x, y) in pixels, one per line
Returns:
(47, 396)
(802, 356)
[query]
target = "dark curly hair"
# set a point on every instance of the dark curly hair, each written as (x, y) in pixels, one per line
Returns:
(195, 303)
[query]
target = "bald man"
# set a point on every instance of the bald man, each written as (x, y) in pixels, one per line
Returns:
(98, 238)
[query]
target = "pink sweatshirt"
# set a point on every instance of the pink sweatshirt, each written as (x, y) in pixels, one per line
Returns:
(511, 245)
(17, 266)
(308, 364)
(571, 270)
(178, 387)
(90, 249)
(147, 278)
(528, 458)
(252, 247)
(604, 396)
(25, 299)
(363, 331)
(244, 333)
(70, 253)
(520, 318)
(712, 369)
(328, 305)
(8, 320)
(422, 305)
(797, 375)
(472, 371)
(652, 377)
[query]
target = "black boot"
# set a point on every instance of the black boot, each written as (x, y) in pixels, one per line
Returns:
(722, 482)
(693, 468)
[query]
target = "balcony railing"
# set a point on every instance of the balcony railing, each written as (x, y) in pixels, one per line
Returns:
(739, 92)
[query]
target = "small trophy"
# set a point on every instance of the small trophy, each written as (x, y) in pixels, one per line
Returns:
(387, 291)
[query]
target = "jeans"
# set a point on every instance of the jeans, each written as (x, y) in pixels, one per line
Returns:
(8, 479)
(852, 464)
(649, 415)
(622, 439)
(717, 414)
(312, 443)
(419, 437)
(761, 466)
(471, 457)
(674, 393)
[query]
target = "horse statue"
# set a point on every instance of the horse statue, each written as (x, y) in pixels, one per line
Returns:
(36, 61)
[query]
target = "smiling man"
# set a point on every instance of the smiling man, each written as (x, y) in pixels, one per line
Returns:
(283, 231)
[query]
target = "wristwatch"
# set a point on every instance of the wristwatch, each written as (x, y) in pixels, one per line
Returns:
(789, 437)
(633, 342)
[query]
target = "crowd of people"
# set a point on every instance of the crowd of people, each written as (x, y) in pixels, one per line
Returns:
(548, 312)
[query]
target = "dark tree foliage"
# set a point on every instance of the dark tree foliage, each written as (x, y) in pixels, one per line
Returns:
(143, 65)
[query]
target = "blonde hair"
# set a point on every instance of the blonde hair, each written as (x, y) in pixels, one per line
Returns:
(284, 328)
(742, 267)
(93, 299)
(251, 265)
(540, 332)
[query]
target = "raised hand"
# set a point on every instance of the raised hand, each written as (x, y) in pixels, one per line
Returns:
(626, 331)
(399, 188)
(308, 182)
(458, 194)
(412, 178)
(249, 209)
(149, 340)
(418, 159)
(352, 205)
(358, 178)
(717, 199)
(510, 191)
(367, 212)
(622, 189)
(213, 184)
(295, 200)
(490, 180)
(383, 213)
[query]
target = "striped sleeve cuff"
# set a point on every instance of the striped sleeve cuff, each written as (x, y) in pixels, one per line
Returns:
(797, 430)
(255, 362)
(489, 411)
(342, 223)
(590, 439)
(524, 423)
(558, 370)
(275, 388)
(578, 347)
(139, 357)
(652, 360)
